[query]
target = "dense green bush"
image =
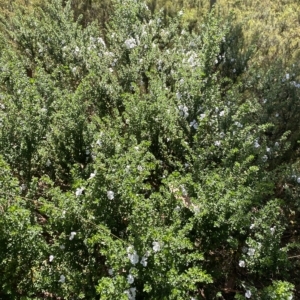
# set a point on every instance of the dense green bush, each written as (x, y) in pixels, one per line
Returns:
(143, 163)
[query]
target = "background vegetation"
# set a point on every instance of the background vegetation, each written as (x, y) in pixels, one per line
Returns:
(149, 150)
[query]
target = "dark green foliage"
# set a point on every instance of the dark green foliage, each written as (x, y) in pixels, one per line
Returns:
(144, 162)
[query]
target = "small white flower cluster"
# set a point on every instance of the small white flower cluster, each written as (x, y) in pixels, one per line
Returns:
(130, 278)
(23, 187)
(242, 264)
(101, 41)
(131, 293)
(156, 246)
(132, 255)
(144, 261)
(192, 59)
(92, 175)
(72, 235)
(287, 76)
(79, 191)
(295, 84)
(238, 124)
(251, 251)
(130, 43)
(183, 111)
(48, 163)
(194, 124)
(110, 195)
(202, 116)
(134, 258)
(222, 113)
(183, 190)
(62, 279)
(248, 294)
(272, 229)
(256, 144)
(51, 257)
(76, 51)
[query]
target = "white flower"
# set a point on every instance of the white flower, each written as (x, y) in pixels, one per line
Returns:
(140, 168)
(277, 115)
(251, 251)
(298, 179)
(183, 111)
(202, 116)
(110, 272)
(130, 279)
(48, 163)
(180, 13)
(248, 294)
(268, 149)
(62, 247)
(234, 70)
(178, 95)
(76, 50)
(130, 43)
(276, 144)
(62, 279)
(177, 208)
(264, 158)
(242, 264)
(79, 191)
(133, 257)
(183, 190)
(110, 195)
(92, 175)
(252, 226)
(265, 101)
(131, 293)
(217, 143)
(194, 124)
(272, 229)
(99, 143)
(287, 76)
(73, 233)
(51, 257)
(256, 144)
(144, 261)
(100, 41)
(238, 124)
(156, 246)
(222, 113)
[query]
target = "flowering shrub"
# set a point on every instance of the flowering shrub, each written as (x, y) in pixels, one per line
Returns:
(132, 168)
